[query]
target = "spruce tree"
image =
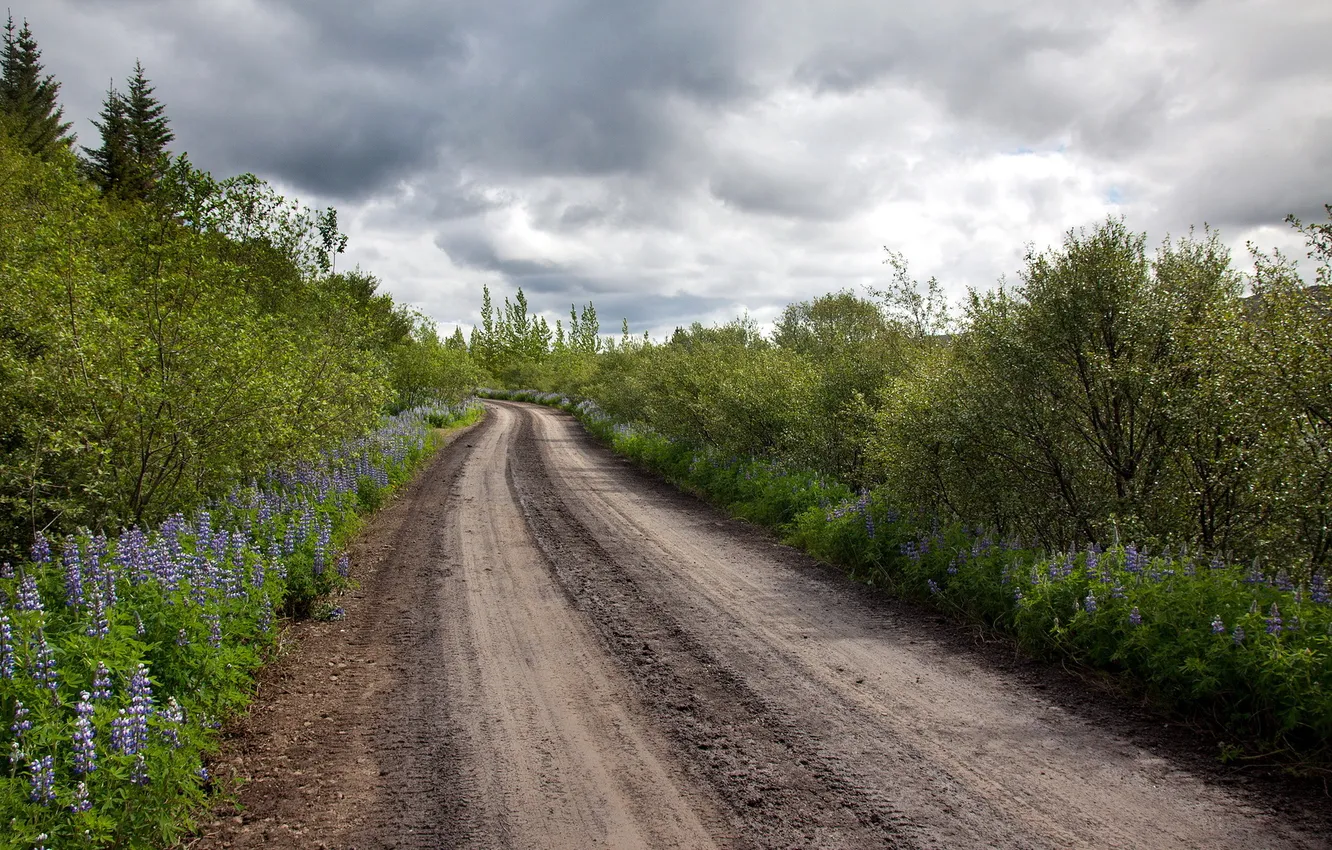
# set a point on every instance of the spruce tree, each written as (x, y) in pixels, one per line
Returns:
(110, 165)
(148, 130)
(29, 112)
(135, 135)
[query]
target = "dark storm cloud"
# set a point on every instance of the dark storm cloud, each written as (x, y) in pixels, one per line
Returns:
(633, 132)
(343, 99)
(1251, 188)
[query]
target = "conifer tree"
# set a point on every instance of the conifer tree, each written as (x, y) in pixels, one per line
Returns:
(28, 109)
(135, 134)
(109, 165)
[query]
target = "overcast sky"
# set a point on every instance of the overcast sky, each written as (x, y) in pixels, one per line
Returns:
(688, 160)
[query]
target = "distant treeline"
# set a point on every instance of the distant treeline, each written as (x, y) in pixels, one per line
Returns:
(1112, 395)
(164, 333)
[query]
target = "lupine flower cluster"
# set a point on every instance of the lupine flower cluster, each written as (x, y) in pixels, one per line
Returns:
(1198, 629)
(118, 654)
(859, 506)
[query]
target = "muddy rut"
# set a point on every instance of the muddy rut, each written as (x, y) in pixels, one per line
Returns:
(548, 649)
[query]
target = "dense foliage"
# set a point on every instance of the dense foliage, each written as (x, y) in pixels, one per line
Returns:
(1123, 459)
(153, 353)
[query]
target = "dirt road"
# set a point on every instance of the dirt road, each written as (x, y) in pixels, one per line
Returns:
(550, 650)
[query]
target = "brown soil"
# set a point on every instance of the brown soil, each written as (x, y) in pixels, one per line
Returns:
(549, 649)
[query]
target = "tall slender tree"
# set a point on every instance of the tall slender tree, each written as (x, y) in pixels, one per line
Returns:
(28, 109)
(135, 134)
(149, 130)
(109, 165)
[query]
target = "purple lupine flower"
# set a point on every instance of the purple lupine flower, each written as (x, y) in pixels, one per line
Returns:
(98, 624)
(6, 647)
(952, 566)
(1132, 560)
(1255, 575)
(95, 571)
(172, 718)
(6, 570)
(1135, 616)
(321, 547)
(44, 667)
(203, 527)
(41, 549)
(1218, 627)
(1090, 603)
(101, 682)
(934, 586)
(1318, 589)
(1274, 621)
(21, 722)
(1093, 559)
(129, 729)
(214, 630)
(85, 750)
(1217, 563)
(121, 737)
(1283, 582)
(73, 562)
(1017, 595)
(131, 554)
(81, 802)
(41, 780)
(182, 638)
(139, 772)
(29, 599)
(1238, 635)
(1117, 592)
(202, 773)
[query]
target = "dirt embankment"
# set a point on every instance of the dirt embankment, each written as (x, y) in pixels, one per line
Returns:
(550, 650)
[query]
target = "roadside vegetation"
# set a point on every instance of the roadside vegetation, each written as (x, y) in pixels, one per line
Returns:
(1124, 460)
(196, 405)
